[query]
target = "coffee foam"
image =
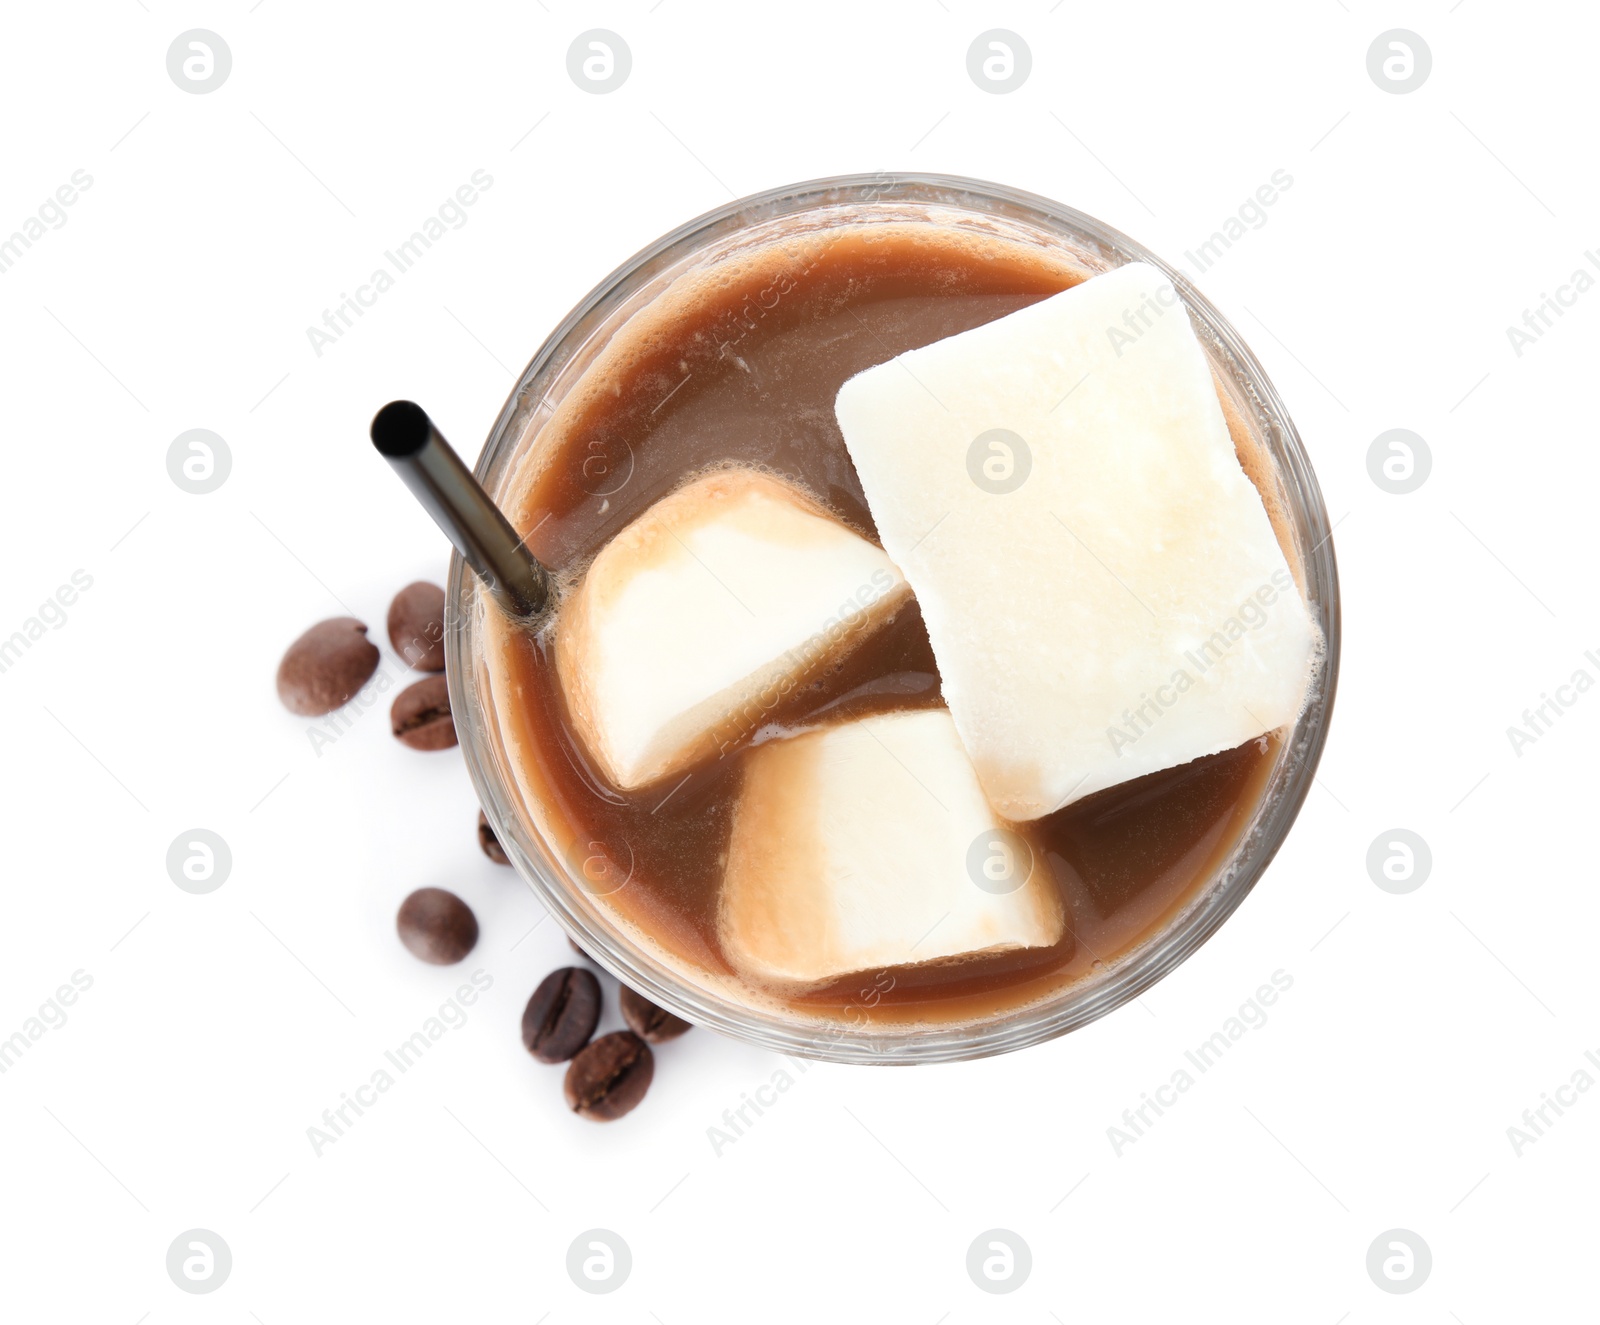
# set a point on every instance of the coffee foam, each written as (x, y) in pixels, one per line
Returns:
(753, 268)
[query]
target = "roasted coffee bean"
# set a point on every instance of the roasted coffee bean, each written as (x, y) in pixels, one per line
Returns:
(437, 926)
(489, 842)
(647, 1020)
(609, 1077)
(416, 626)
(326, 666)
(421, 715)
(561, 1015)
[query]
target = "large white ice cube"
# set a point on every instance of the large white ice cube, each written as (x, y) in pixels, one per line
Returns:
(692, 623)
(869, 845)
(1102, 587)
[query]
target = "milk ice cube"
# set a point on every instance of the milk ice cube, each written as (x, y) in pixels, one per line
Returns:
(1101, 584)
(692, 623)
(869, 844)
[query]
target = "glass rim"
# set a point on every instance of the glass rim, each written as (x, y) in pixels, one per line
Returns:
(1072, 1006)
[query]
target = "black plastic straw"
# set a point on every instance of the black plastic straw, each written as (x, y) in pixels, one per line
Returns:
(406, 437)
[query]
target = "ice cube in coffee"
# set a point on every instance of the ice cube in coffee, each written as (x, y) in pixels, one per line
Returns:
(703, 613)
(840, 699)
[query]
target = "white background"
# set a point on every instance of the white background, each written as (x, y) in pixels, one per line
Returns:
(219, 1027)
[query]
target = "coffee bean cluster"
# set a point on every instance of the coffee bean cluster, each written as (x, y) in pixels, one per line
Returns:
(606, 1078)
(326, 666)
(322, 671)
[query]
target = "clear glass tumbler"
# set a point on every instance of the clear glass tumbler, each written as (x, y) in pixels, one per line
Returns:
(557, 873)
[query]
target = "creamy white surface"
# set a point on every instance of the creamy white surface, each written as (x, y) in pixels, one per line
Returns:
(853, 849)
(703, 611)
(1125, 609)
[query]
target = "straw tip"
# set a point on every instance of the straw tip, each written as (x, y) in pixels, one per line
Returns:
(400, 429)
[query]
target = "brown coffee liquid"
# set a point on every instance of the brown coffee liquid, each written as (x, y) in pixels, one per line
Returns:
(747, 373)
